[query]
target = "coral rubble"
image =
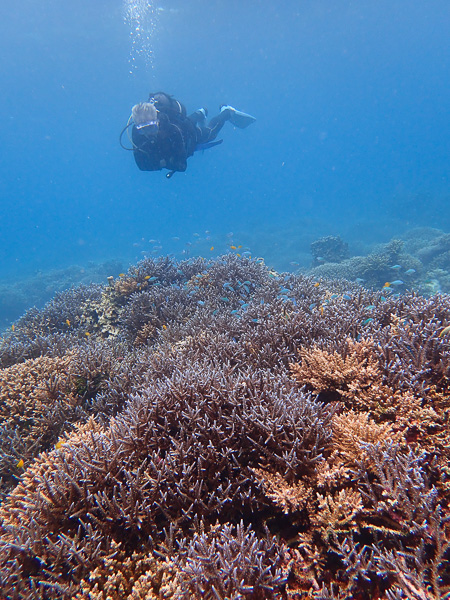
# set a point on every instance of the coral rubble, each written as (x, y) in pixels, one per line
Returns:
(214, 429)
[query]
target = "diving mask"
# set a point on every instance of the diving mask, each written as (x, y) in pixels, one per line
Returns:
(145, 117)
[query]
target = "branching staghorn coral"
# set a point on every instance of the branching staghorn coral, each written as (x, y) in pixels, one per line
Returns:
(289, 497)
(42, 398)
(224, 565)
(351, 430)
(180, 451)
(418, 574)
(349, 374)
(198, 424)
(37, 403)
(336, 512)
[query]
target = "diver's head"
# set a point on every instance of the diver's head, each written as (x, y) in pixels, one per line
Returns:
(145, 117)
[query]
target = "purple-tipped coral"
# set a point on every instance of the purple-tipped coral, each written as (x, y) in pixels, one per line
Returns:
(215, 429)
(223, 564)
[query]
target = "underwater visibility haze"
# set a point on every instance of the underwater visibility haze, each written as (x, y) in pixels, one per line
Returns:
(351, 136)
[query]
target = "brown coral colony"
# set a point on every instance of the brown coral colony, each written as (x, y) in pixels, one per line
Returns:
(212, 429)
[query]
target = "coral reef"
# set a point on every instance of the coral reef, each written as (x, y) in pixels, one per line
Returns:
(329, 249)
(214, 429)
(17, 296)
(375, 269)
(420, 260)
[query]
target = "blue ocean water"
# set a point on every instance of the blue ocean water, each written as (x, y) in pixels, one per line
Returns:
(351, 138)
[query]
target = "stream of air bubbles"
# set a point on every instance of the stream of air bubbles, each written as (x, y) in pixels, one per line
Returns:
(141, 17)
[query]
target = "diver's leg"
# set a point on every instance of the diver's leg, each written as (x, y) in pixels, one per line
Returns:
(199, 117)
(228, 113)
(215, 125)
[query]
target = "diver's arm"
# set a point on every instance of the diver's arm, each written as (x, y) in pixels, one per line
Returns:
(145, 154)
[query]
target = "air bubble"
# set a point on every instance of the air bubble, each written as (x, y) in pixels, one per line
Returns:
(141, 16)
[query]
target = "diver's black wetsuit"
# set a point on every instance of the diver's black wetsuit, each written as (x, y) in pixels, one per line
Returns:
(169, 149)
(178, 135)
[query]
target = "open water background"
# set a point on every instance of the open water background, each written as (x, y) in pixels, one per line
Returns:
(352, 135)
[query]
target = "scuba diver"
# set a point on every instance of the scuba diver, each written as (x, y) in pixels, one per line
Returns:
(163, 137)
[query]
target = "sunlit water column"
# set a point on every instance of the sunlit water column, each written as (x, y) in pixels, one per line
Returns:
(141, 16)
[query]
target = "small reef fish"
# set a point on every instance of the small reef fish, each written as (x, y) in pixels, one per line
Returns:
(121, 274)
(212, 248)
(367, 321)
(67, 322)
(13, 327)
(87, 334)
(316, 284)
(346, 297)
(397, 282)
(387, 284)
(233, 247)
(410, 271)
(396, 267)
(445, 331)
(20, 464)
(59, 444)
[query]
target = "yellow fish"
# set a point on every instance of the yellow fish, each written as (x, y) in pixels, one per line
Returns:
(316, 284)
(20, 463)
(121, 274)
(59, 444)
(387, 284)
(212, 248)
(445, 331)
(13, 327)
(147, 277)
(87, 334)
(233, 247)
(67, 322)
